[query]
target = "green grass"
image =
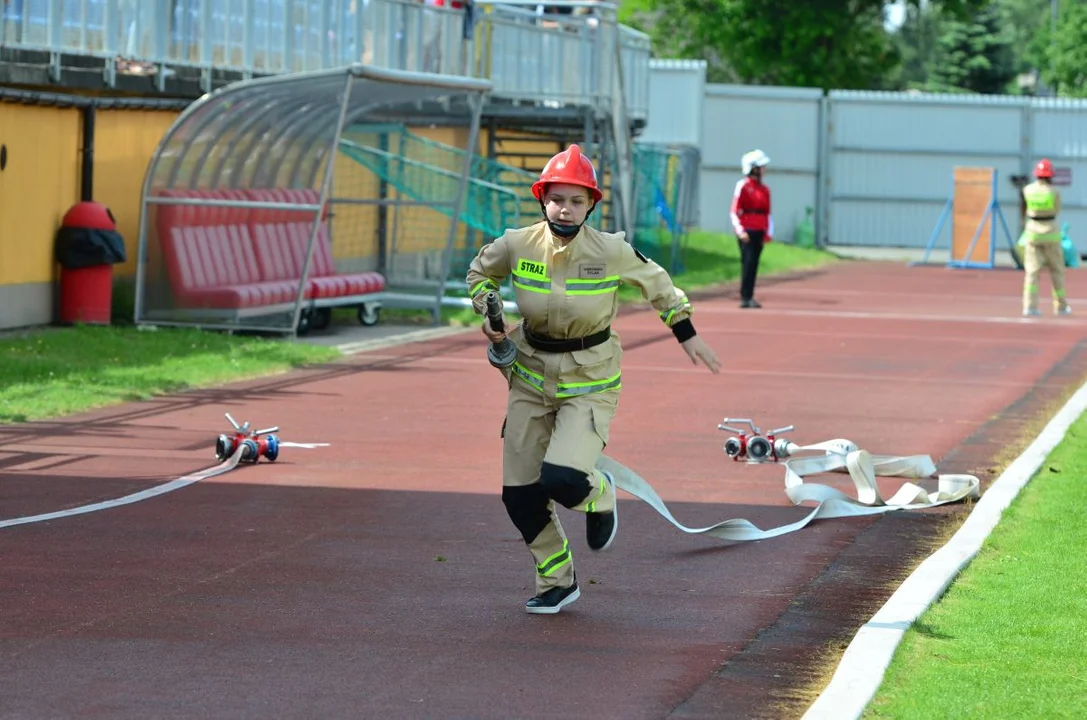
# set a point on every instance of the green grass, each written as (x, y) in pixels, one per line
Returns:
(56, 372)
(1009, 637)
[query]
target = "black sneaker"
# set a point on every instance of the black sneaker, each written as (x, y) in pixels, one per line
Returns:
(553, 600)
(600, 527)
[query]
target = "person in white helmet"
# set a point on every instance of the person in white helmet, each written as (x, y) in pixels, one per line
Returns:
(752, 221)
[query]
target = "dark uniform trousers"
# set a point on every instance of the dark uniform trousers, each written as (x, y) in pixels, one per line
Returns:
(549, 455)
(750, 252)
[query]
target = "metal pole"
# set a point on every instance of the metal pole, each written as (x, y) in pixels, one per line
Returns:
(86, 189)
(145, 193)
(994, 200)
(475, 102)
(325, 183)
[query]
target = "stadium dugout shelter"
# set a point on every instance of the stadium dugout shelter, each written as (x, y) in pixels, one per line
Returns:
(253, 218)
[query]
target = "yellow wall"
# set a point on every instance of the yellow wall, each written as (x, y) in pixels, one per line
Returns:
(38, 185)
(418, 229)
(123, 144)
(353, 227)
(41, 181)
(42, 177)
(507, 151)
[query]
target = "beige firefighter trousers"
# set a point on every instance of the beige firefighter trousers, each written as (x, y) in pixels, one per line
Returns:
(1039, 255)
(568, 432)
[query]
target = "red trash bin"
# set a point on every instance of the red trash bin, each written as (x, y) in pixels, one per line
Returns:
(87, 247)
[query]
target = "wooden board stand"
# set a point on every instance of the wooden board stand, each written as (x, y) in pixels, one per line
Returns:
(974, 213)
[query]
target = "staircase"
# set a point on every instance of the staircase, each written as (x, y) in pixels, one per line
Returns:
(529, 150)
(426, 171)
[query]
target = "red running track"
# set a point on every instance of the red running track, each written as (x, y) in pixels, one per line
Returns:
(380, 577)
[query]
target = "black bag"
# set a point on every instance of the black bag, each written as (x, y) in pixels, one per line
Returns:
(86, 247)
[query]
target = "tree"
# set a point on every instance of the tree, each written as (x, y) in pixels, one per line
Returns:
(1067, 54)
(975, 55)
(916, 41)
(1027, 24)
(812, 43)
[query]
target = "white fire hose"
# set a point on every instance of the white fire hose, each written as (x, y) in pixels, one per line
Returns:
(802, 461)
(223, 467)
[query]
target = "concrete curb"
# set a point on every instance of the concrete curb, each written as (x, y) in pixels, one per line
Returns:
(865, 661)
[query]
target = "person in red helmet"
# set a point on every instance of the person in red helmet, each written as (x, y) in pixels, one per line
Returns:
(563, 388)
(1042, 241)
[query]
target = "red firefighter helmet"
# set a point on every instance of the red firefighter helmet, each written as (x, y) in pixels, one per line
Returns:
(569, 167)
(1044, 168)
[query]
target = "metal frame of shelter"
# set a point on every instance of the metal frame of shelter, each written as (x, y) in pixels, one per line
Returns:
(282, 133)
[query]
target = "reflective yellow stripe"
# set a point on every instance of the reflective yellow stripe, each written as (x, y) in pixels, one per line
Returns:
(532, 285)
(591, 507)
(528, 376)
(553, 563)
(592, 287)
(587, 388)
(565, 390)
(483, 286)
(532, 276)
(668, 314)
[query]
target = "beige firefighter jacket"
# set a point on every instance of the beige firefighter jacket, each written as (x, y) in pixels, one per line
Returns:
(1043, 206)
(567, 292)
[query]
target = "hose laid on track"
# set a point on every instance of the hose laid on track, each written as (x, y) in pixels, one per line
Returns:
(807, 460)
(222, 468)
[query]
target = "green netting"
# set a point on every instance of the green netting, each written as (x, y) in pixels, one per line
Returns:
(657, 190)
(498, 195)
(424, 170)
(660, 186)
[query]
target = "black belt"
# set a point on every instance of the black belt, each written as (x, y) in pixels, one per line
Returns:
(1043, 218)
(546, 344)
(752, 212)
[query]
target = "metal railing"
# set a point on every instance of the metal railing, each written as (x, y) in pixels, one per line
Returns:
(529, 58)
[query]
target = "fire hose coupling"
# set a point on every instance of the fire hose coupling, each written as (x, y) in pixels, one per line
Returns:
(254, 444)
(501, 354)
(754, 446)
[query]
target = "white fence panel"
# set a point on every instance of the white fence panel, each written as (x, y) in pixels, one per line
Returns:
(676, 92)
(783, 122)
(1058, 131)
(876, 167)
(891, 159)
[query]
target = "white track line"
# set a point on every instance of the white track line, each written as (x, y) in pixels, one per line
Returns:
(865, 661)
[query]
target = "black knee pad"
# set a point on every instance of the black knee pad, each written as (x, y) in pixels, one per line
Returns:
(527, 508)
(565, 485)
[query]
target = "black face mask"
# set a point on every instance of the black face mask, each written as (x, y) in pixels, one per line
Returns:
(565, 231)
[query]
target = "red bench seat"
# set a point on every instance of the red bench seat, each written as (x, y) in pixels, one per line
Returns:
(241, 259)
(281, 238)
